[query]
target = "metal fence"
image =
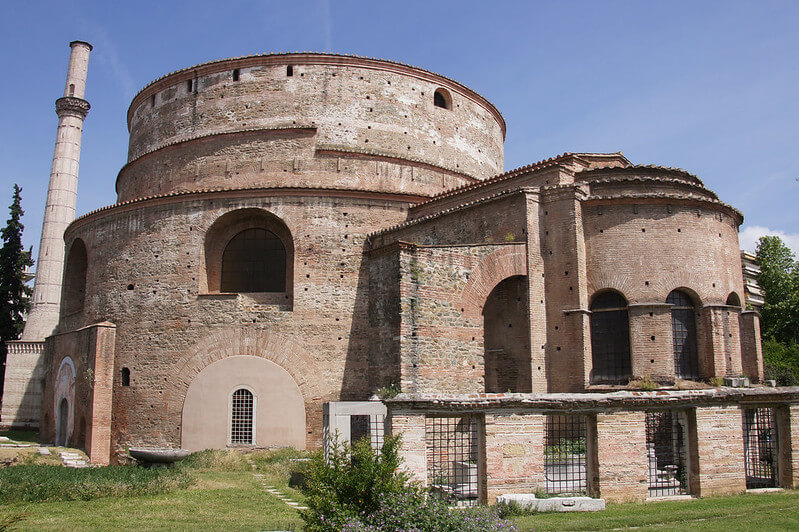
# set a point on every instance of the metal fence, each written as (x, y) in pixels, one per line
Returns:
(452, 458)
(760, 447)
(667, 453)
(565, 454)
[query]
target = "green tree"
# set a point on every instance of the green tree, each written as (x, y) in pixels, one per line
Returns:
(14, 293)
(779, 279)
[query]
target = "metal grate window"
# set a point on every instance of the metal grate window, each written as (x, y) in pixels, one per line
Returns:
(254, 261)
(371, 426)
(760, 447)
(565, 454)
(667, 453)
(610, 339)
(683, 327)
(452, 458)
(241, 418)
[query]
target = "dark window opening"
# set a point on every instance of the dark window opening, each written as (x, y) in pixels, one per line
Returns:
(733, 300)
(152, 100)
(507, 350)
(760, 447)
(72, 89)
(667, 454)
(441, 98)
(565, 469)
(289, 70)
(254, 261)
(235, 74)
(125, 377)
(610, 339)
(189, 86)
(74, 291)
(452, 458)
(683, 328)
(241, 425)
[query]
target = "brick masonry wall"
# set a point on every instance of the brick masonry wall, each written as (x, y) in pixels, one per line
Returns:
(411, 427)
(355, 104)
(145, 265)
(794, 444)
(91, 349)
(622, 456)
(720, 451)
(514, 453)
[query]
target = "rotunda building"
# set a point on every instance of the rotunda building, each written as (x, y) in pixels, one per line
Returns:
(299, 235)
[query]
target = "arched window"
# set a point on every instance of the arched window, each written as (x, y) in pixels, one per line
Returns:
(254, 261)
(74, 292)
(441, 98)
(683, 328)
(610, 339)
(733, 300)
(249, 250)
(507, 352)
(241, 417)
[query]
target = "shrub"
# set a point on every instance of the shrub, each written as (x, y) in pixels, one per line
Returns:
(357, 489)
(28, 483)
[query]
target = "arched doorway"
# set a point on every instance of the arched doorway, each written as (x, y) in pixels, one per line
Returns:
(62, 421)
(243, 400)
(506, 338)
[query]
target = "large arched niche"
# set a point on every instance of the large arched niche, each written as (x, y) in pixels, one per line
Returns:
(231, 227)
(64, 402)
(279, 417)
(74, 291)
(508, 367)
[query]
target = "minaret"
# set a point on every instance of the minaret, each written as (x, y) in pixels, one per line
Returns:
(62, 196)
(22, 394)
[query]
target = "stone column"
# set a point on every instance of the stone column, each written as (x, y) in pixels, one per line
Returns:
(621, 456)
(751, 348)
(720, 451)
(62, 193)
(23, 391)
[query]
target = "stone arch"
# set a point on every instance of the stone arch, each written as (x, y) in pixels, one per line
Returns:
(226, 343)
(506, 340)
(74, 292)
(273, 416)
(229, 226)
(489, 272)
(64, 401)
(733, 300)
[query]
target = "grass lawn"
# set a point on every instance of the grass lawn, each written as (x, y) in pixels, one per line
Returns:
(752, 511)
(218, 501)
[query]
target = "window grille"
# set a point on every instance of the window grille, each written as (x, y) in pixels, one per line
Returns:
(610, 339)
(452, 458)
(254, 261)
(760, 447)
(565, 454)
(683, 327)
(241, 418)
(667, 453)
(370, 426)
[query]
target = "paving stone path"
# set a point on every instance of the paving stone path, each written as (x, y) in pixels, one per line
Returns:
(70, 459)
(274, 491)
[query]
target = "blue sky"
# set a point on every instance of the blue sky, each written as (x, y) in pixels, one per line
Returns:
(709, 86)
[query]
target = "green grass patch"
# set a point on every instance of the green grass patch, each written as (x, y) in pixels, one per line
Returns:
(231, 500)
(277, 467)
(21, 436)
(41, 483)
(752, 511)
(215, 460)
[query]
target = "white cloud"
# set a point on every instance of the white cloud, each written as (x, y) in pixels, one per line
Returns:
(749, 236)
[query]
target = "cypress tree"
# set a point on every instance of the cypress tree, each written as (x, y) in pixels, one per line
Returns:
(14, 293)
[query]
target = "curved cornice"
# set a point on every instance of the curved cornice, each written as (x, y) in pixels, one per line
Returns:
(310, 58)
(249, 192)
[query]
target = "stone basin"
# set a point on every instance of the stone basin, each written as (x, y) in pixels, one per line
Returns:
(158, 456)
